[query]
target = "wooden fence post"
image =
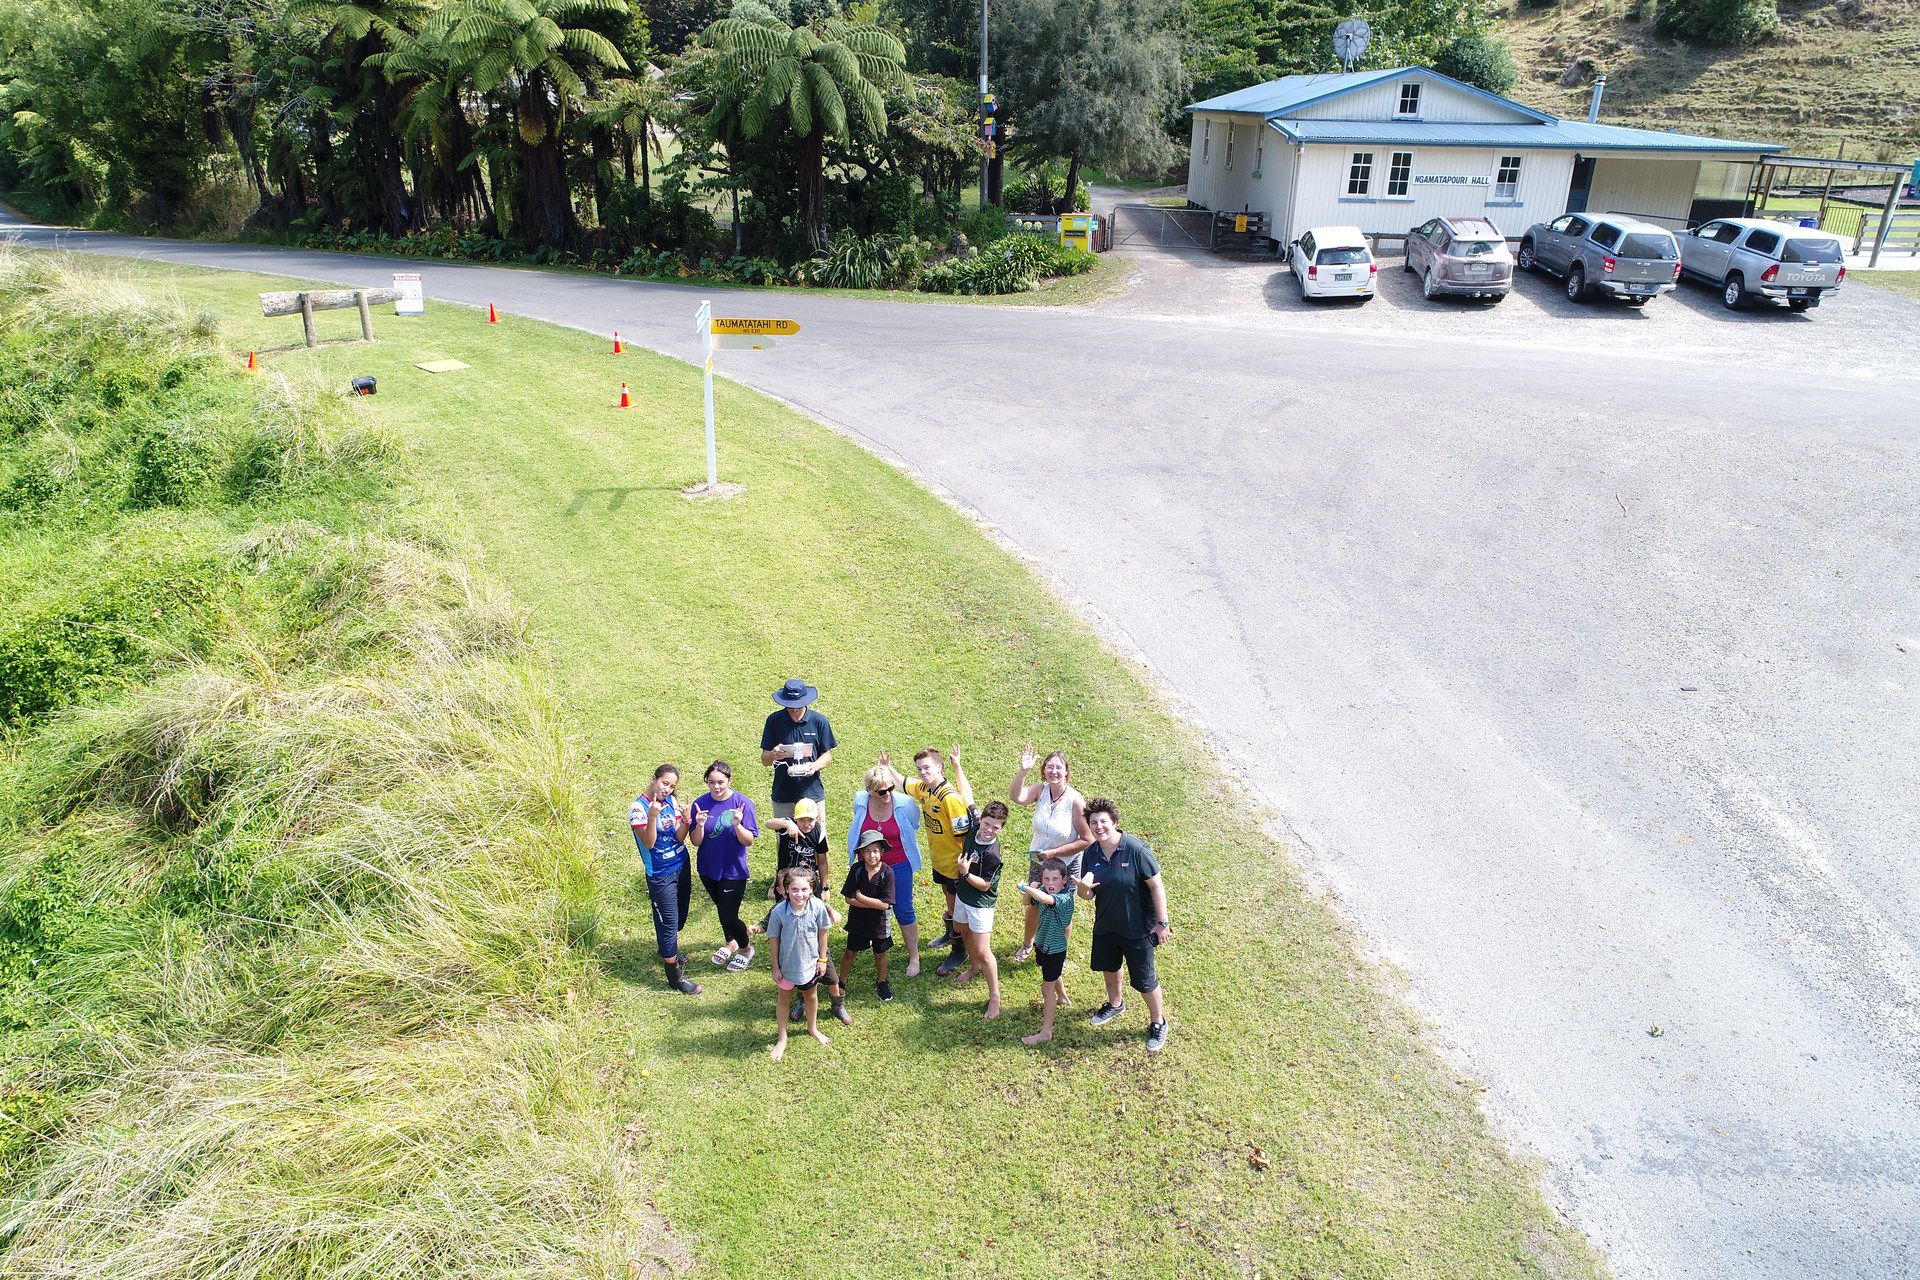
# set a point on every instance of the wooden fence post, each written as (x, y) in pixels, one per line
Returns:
(366, 317)
(306, 316)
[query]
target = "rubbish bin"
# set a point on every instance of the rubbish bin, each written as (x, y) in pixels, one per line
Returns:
(1810, 222)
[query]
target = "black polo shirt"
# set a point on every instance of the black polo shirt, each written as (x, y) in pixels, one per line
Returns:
(1122, 903)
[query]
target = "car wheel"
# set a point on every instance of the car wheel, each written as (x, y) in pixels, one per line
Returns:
(1406, 264)
(1799, 304)
(1526, 260)
(1576, 284)
(1733, 295)
(1426, 285)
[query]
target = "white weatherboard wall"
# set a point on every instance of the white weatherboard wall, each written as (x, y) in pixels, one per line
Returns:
(1660, 189)
(1258, 177)
(1438, 102)
(1322, 200)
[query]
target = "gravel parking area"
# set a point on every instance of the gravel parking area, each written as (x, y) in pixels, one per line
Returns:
(1862, 331)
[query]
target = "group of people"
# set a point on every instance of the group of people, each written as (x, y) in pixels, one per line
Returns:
(1077, 853)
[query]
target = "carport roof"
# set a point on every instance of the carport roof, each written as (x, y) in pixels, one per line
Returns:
(1560, 135)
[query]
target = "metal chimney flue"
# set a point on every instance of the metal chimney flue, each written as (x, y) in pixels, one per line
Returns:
(1599, 91)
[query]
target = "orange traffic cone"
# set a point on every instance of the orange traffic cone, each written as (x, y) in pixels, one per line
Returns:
(626, 401)
(493, 317)
(253, 366)
(617, 348)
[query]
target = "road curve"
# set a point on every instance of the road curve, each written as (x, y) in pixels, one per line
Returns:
(1584, 673)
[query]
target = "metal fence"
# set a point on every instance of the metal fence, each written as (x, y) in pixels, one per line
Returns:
(1161, 227)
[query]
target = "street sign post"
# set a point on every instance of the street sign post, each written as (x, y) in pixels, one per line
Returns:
(731, 333)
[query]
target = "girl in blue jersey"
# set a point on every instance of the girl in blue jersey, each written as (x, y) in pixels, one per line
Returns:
(660, 830)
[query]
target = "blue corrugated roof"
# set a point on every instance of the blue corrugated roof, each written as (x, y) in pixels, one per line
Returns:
(1569, 135)
(1291, 93)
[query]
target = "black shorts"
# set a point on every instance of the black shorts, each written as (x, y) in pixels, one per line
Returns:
(1051, 963)
(879, 946)
(946, 883)
(1109, 949)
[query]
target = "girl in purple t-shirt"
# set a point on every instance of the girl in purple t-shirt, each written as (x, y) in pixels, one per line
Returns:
(724, 825)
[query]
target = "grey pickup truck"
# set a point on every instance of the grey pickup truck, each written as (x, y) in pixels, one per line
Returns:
(1611, 254)
(1753, 260)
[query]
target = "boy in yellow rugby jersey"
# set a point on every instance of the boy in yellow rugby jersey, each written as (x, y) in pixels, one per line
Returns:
(944, 809)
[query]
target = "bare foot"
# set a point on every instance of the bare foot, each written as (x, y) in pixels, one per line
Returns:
(1037, 1038)
(819, 1035)
(993, 1011)
(964, 977)
(913, 967)
(779, 1048)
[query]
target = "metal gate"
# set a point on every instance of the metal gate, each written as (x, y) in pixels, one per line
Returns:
(1156, 226)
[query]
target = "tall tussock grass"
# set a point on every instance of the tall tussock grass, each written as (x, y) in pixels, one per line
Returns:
(297, 863)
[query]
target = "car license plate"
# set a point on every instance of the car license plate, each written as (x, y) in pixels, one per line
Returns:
(1799, 293)
(1343, 275)
(1476, 270)
(1639, 288)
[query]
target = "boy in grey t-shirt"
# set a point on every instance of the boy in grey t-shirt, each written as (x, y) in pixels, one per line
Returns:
(797, 929)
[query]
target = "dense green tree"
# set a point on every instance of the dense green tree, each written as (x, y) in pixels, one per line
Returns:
(519, 51)
(817, 84)
(1091, 81)
(1718, 21)
(1478, 60)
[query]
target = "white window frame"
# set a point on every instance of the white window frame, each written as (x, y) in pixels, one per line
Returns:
(1206, 141)
(1229, 144)
(1260, 150)
(1504, 187)
(1360, 171)
(1399, 173)
(1409, 87)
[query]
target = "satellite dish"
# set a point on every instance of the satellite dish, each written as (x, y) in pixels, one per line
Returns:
(1350, 41)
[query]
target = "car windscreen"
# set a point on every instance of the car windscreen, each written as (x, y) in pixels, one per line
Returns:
(1812, 250)
(1477, 248)
(1642, 244)
(1340, 257)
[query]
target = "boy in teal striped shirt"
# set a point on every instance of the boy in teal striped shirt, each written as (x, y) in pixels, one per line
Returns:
(1055, 901)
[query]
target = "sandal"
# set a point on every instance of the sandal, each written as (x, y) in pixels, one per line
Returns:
(723, 954)
(740, 961)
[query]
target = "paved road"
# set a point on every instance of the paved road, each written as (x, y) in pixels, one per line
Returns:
(1585, 674)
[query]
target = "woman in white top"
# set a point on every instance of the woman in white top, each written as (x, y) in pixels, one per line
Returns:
(1059, 827)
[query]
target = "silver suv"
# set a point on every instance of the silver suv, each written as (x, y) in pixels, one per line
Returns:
(1460, 256)
(1614, 254)
(1750, 259)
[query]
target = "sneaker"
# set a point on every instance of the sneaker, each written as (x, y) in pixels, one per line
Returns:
(741, 960)
(886, 990)
(1157, 1036)
(1107, 1012)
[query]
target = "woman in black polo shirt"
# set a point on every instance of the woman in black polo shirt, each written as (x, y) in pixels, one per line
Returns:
(1121, 877)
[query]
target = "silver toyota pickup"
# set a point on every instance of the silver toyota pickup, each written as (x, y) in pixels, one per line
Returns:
(1750, 259)
(1614, 254)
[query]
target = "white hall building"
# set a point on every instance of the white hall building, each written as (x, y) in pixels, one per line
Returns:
(1386, 150)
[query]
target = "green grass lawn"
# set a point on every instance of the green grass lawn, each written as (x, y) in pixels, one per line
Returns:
(1906, 283)
(1299, 1124)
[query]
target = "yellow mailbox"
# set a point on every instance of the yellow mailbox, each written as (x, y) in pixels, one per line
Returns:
(1077, 230)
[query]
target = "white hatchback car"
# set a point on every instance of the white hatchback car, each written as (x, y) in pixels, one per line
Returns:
(1333, 262)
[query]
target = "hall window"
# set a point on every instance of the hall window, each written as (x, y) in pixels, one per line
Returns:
(1399, 173)
(1259, 152)
(1229, 144)
(1360, 173)
(1409, 99)
(1506, 184)
(1206, 141)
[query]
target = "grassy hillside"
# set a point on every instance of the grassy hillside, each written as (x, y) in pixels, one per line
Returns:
(1846, 71)
(296, 864)
(1299, 1122)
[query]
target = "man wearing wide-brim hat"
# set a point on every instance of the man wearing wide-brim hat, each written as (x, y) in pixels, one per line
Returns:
(798, 743)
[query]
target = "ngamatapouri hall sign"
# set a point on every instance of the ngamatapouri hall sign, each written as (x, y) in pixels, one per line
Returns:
(1386, 150)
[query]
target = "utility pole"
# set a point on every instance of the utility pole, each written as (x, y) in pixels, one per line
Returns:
(986, 108)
